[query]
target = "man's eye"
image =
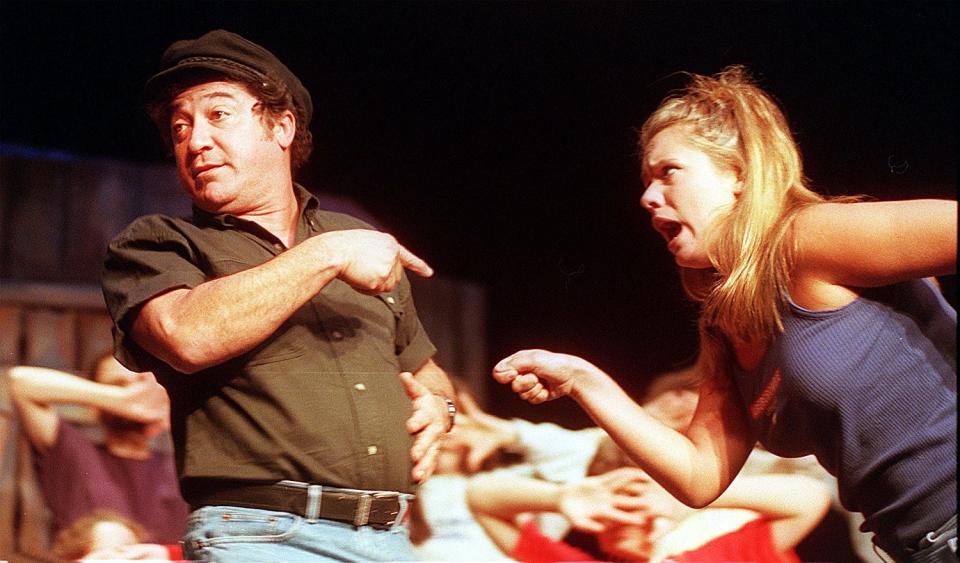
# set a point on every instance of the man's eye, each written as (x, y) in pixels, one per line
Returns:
(178, 129)
(218, 114)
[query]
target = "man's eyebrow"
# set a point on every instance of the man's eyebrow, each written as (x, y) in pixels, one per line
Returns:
(208, 96)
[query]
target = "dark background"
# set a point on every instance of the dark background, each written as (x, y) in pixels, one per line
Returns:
(495, 139)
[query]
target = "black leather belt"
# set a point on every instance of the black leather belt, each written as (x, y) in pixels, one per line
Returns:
(378, 509)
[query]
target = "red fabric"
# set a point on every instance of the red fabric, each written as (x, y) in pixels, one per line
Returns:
(174, 552)
(534, 547)
(752, 542)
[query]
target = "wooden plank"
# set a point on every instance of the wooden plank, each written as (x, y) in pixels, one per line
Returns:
(94, 339)
(10, 333)
(34, 214)
(81, 296)
(98, 200)
(50, 338)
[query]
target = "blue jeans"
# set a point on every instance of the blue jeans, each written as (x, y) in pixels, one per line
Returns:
(231, 534)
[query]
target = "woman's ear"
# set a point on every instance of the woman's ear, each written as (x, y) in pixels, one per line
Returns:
(738, 187)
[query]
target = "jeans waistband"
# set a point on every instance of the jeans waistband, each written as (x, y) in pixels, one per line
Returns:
(378, 509)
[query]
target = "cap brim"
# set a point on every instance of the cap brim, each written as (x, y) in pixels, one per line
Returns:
(181, 73)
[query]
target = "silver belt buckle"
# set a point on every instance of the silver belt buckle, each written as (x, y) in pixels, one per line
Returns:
(362, 516)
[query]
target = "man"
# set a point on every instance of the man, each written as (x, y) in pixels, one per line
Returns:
(286, 336)
(124, 474)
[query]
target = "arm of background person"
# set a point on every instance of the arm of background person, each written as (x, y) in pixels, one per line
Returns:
(496, 499)
(186, 327)
(794, 504)
(36, 389)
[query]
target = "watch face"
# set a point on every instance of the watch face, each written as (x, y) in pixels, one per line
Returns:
(451, 414)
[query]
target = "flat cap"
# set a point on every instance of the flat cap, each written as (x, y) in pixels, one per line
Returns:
(228, 53)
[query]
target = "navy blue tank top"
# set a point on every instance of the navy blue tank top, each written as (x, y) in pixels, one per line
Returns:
(871, 390)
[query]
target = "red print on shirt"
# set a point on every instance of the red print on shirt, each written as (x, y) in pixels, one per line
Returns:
(763, 403)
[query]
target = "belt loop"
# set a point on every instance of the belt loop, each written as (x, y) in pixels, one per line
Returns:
(362, 516)
(313, 501)
(404, 502)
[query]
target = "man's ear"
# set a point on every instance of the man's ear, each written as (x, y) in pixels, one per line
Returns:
(285, 129)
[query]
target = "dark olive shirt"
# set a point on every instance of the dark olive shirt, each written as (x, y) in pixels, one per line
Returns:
(319, 401)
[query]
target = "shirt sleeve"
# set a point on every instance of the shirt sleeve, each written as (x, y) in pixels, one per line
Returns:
(413, 345)
(557, 453)
(148, 258)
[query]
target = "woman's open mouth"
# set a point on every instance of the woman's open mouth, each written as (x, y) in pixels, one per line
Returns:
(667, 228)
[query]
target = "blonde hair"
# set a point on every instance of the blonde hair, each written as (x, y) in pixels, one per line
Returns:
(76, 540)
(751, 248)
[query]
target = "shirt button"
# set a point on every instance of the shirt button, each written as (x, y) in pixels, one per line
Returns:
(360, 387)
(372, 450)
(336, 335)
(277, 246)
(391, 300)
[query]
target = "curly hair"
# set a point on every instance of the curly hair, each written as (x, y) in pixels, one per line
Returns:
(273, 96)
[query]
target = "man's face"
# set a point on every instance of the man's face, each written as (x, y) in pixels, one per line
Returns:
(228, 159)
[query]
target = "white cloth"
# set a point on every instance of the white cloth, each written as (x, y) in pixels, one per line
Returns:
(558, 454)
(455, 536)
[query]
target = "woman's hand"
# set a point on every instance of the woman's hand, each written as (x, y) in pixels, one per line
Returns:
(538, 376)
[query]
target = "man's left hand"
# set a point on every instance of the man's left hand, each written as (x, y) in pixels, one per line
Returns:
(428, 423)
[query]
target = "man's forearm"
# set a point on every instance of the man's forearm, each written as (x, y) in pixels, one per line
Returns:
(435, 379)
(223, 318)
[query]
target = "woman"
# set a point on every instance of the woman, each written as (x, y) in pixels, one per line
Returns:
(818, 332)
(629, 518)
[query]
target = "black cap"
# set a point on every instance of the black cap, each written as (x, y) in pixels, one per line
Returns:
(232, 55)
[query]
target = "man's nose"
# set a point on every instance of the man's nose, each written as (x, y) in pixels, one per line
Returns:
(200, 138)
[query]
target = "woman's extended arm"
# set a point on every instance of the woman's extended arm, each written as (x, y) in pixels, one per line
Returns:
(695, 466)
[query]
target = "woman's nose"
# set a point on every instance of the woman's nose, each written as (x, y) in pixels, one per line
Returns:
(652, 197)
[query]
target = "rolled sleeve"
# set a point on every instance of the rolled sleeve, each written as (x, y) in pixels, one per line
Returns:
(150, 257)
(414, 347)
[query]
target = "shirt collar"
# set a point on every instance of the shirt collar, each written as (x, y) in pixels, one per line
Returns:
(307, 203)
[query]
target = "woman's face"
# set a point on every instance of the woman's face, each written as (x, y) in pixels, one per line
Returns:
(684, 193)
